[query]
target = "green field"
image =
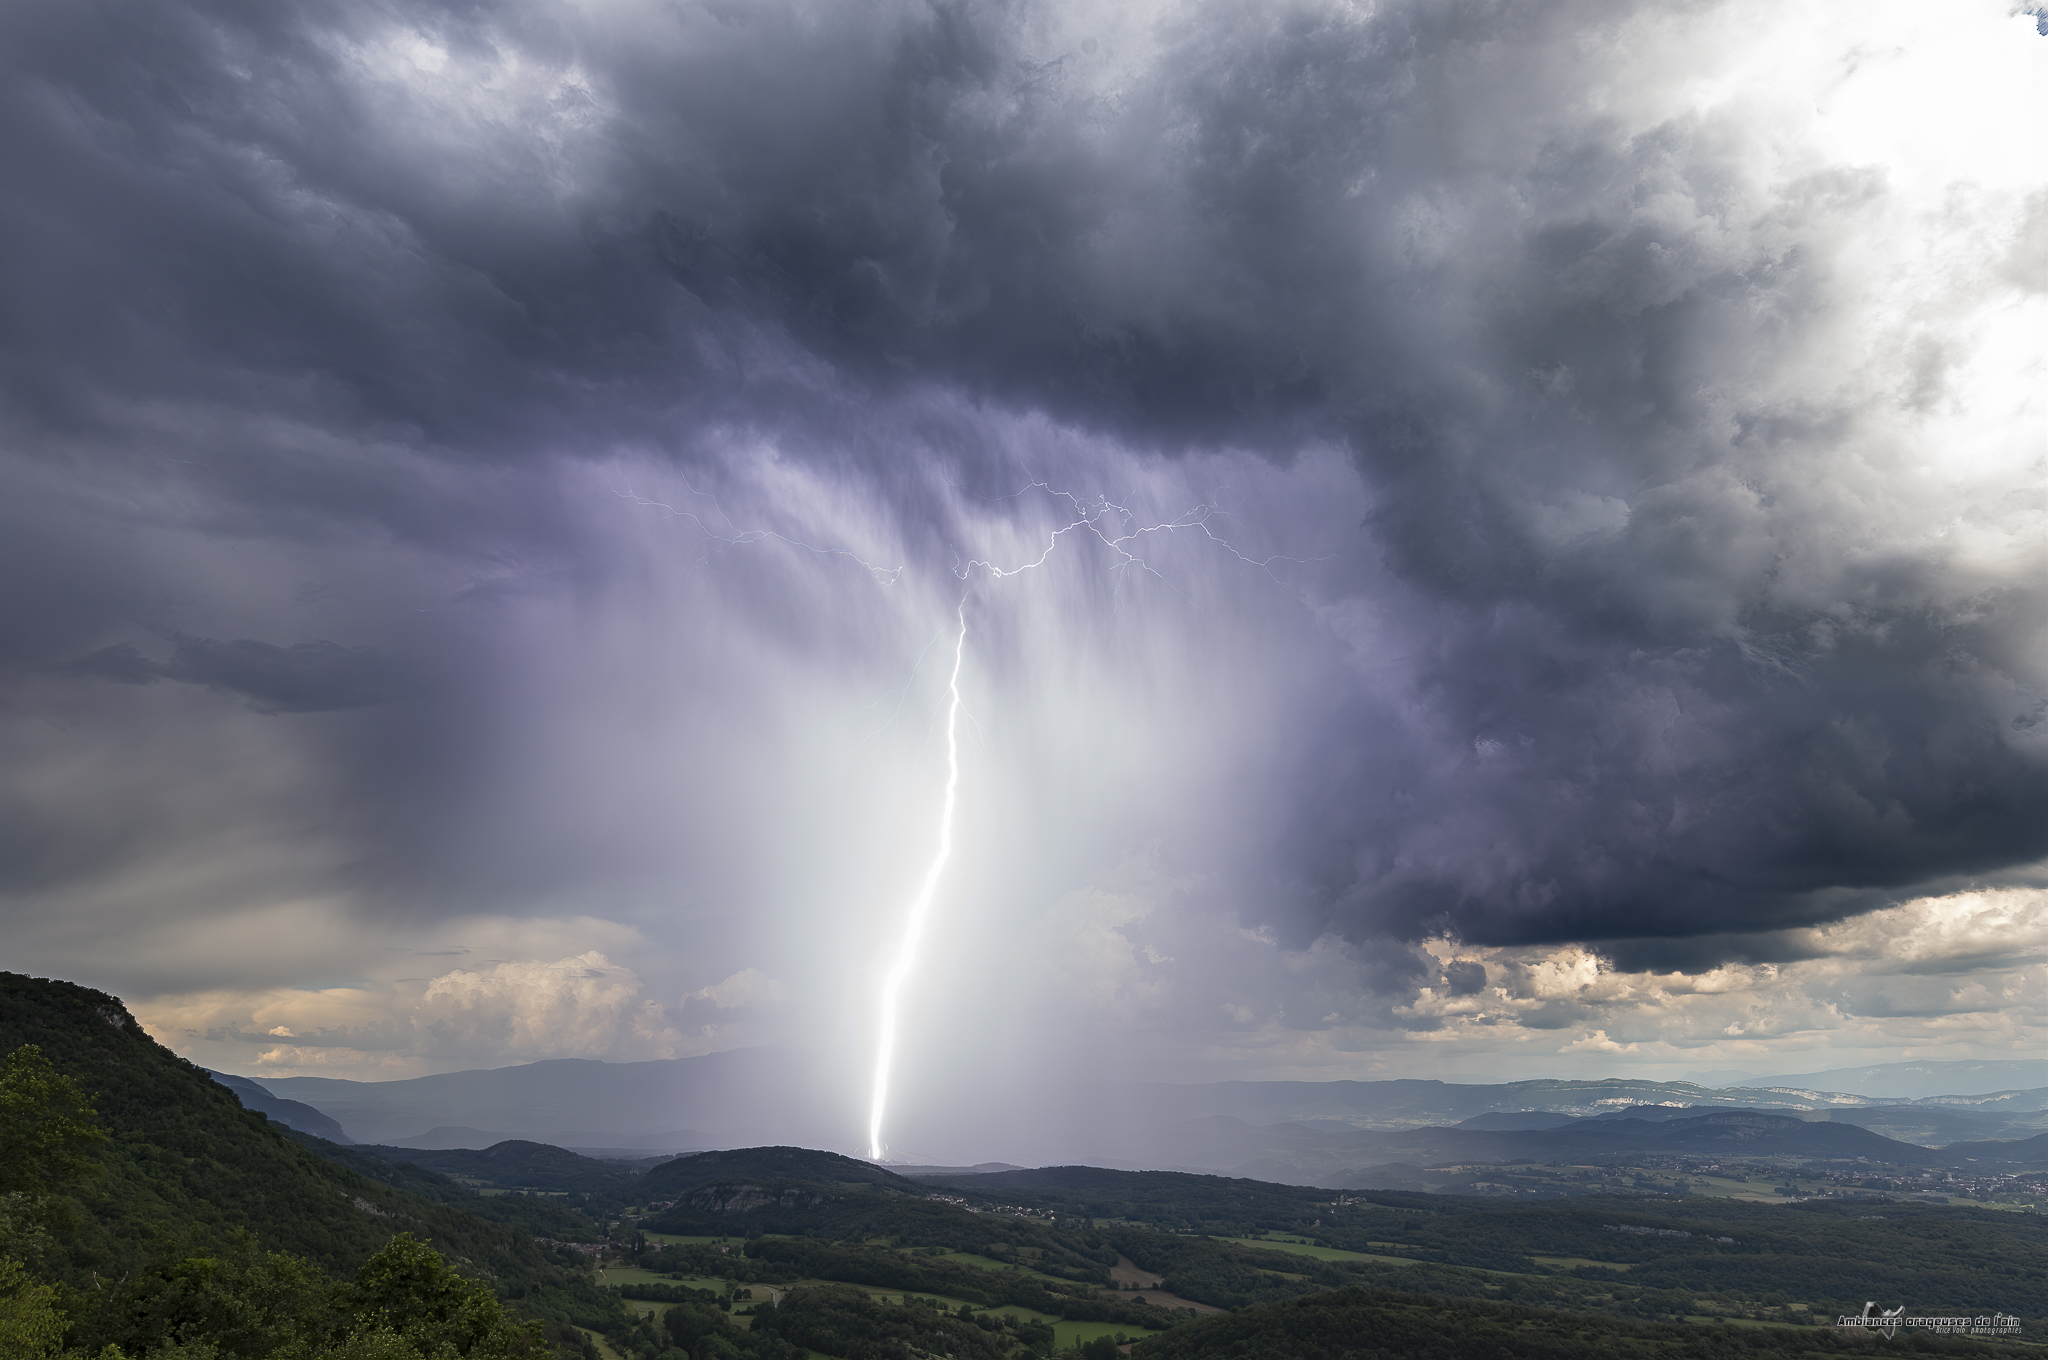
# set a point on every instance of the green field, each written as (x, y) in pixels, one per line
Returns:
(988, 1263)
(674, 1240)
(604, 1347)
(1301, 1248)
(635, 1275)
(1067, 1334)
(1026, 1314)
(875, 1292)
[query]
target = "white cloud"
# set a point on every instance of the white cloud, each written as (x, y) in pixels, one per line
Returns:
(1963, 975)
(583, 1006)
(490, 1012)
(748, 987)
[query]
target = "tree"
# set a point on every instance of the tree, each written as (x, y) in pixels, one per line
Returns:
(243, 1304)
(46, 1125)
(30, 1325)
(407, 1289)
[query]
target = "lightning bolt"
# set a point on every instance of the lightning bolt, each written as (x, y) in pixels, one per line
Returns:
(1108, 522)
(1111, 524)
(921, 905)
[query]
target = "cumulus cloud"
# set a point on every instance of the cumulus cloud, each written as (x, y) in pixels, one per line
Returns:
(583, 1006)
(1913, 979)
(520, 1010)
(1603, 440)
(748, 987)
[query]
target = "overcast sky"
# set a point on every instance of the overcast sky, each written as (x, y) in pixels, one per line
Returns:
(1531, 521)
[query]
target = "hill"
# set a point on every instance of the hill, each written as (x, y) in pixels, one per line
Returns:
(672, 1178)
(291, 1113)
(1296, 1152)
(518, 1165)
(670, 1105)
(541, 1216)
(186, 1160)
(2019, 1152)
(1920, 1080)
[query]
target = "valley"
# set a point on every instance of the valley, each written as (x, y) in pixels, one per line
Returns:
(1636, 1230)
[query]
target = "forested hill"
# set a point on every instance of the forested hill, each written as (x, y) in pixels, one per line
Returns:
(518, 1164)
(772, 1163)
(185, 1160)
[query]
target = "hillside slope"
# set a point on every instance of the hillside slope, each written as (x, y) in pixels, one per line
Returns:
(187, 1161)
(293, 1114)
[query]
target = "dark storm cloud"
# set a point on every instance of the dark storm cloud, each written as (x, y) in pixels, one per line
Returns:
(1648, 698)
(306, 677)
(1464, 977)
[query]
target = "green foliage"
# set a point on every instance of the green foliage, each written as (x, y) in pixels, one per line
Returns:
(1223, 1274)
(240, 1302)
(839, 1214)
(186, 1162)
(30, 1325)
(1366, 1324)
(46, 1125)
(187, 1173)
(408, 1289)
(1171, 1200)
(406, 1303)
(1831, 1256)
(667, 1293)
(843, 1321)
(518, 1164)
(807, 1165)
(535, 1215)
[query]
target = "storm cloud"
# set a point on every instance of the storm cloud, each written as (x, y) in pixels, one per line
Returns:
(1557, 475)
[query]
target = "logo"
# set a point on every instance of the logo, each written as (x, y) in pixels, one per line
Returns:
(1887, 1321)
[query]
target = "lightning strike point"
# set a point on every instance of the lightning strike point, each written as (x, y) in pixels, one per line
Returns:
(920, 907)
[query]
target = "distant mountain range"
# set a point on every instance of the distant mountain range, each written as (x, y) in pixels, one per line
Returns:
(1306, 1132)
(1317, 1158)
(292, 1114)
(744, 1096)
(1407, 1104)
(1920, 1080)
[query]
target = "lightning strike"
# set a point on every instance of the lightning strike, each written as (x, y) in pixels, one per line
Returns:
(921, 905)
(1117, 528)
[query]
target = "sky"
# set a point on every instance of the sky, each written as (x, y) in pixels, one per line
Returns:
(1492, 539)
